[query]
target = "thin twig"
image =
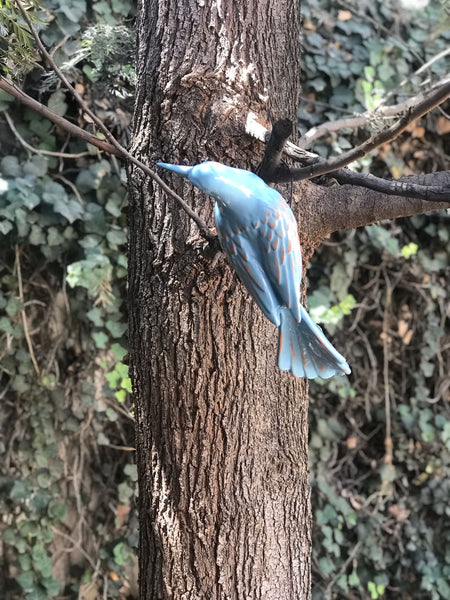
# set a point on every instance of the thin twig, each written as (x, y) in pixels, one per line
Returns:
(123, 152)
(307, 100)
(361, 120)
(72, 186)
(430, 101)
(77, 546)
(23, 313)
(388, 449)
(9, 87)
(417, 72)
(396, 187)
(27, 146)
(342, 570)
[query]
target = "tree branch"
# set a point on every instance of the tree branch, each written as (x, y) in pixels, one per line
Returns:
(348, 206)
(353, 122)
(10, 88)
(408, 187)
(119, 150)
(34, 150)
(328, 166)
(405, 186)
(281, 131)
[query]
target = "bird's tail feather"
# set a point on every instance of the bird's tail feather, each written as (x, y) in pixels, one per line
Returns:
(304, 350)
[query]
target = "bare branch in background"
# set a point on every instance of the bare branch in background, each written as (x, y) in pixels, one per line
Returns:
(315, 133)
(409, 187)
(430, 101)
(9, 87)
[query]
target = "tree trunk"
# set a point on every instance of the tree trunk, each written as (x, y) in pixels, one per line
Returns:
(221, 432)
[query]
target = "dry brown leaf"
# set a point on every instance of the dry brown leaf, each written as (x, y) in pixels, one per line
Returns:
(418, 132)
(399, 513)
(352, 442)
(442, 126)
(88, 591)
(407, 338)
(122, 512)
(402, 327)
(309, 25)
(396, 171)
(344, 15)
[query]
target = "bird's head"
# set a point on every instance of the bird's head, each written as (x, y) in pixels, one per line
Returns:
(220, 181)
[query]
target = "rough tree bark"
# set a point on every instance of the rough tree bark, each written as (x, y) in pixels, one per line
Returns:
(221, 433)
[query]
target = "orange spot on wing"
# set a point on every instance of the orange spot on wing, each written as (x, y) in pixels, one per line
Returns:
(281, 339)
(275, 244)
(268, 213)
(294, 356)
(236, 229)
(320, 367)
(277, 215)
(282, 255)
(289, 249)
(272, 224)
(303, 358)
(264, 220)
(278, 274)
(270, 236)
(232, 248)
(266, 249)
(255, 224)
(252, 277)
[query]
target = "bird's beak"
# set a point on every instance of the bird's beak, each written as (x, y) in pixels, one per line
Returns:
(179, 169)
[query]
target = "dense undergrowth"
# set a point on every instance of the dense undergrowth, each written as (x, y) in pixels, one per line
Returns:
(380, 439)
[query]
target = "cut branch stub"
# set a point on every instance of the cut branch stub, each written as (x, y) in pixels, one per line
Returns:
(281, 131)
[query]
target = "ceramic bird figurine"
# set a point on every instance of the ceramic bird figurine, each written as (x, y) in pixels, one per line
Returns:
(258, 233)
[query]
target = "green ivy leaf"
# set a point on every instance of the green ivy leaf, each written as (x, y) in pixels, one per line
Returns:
(27, 581)
(116, 328)
(57, 102)
(70, 209)
(95, 315)
(120, 396)
(126, 385)
(116, 236)
(100, 339)
(10, 166)
(5, 226)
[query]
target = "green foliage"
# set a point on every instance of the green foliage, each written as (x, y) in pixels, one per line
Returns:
(63, 244)
(359, 57)
(392, 520)
(17, 54)
(110, 51)
(381, 529)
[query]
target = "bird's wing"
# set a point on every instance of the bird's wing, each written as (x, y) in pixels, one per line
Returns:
(242, 253)
(280, 253)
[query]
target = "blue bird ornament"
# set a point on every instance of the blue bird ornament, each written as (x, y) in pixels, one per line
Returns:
(258, 233)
